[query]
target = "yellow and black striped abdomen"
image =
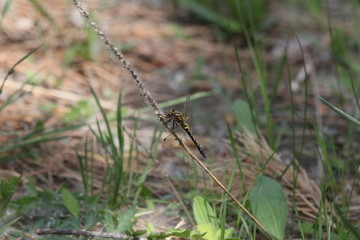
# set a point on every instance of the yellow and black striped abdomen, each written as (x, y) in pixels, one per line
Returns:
(186, 128)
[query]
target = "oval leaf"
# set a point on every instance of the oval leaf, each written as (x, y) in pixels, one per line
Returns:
(269, 206)
(70, 202)
(242, 114)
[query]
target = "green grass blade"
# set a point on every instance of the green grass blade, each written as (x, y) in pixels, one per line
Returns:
(354, 91)
(249, 99)
(119, 127)
(183, 99)
(306, 95)
(340, 112)
(280, 70)
(36, 138)
(212, 16)
(109, 137)
(351, 228)
(7, 189)
(5, 10)
(18, 94)
(119, 159)
(43, 11)
(6, 223)
(12, 69)
(236, 155)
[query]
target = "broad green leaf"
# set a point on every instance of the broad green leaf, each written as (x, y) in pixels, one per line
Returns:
(70, 202)
(269, 206)
(150, 227)
(203, 213)
(242, 114)
(208, 230)
(307, 227)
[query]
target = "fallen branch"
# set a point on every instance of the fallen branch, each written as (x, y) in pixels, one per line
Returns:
(48, 231)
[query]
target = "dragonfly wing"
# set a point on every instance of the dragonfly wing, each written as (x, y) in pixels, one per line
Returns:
(187, 114)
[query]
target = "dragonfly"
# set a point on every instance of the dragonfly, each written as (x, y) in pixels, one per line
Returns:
(178, 118)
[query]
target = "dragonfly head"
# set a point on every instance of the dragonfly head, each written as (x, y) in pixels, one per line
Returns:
(170, 112)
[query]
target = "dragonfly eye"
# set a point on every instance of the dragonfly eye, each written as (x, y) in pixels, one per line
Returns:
(170, 111)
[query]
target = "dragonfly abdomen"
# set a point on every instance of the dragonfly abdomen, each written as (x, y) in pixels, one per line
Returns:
(186, 128)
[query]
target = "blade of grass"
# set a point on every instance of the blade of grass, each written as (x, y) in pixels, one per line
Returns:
(351, 228)
(115, 153)
(12, 69)
(306, 95)
(340, 112)
(280, 70)
(354, 91)
(119, 159)
(4, 11)
(18, 94)
(183, 99)
(212, 15)
(236, 154)
(43, 11)
(31, 139)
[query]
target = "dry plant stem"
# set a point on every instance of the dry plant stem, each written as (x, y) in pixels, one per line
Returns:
(145, 94)
(47, 231)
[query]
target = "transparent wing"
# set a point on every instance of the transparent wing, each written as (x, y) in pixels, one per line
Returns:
(169, 140)
(187, 114)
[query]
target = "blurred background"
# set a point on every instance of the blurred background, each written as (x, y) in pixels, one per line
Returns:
(249, 65)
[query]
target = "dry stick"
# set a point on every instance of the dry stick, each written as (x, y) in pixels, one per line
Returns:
(144, 93)
(47, 231)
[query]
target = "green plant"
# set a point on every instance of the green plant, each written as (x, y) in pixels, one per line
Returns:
(231, 15)
(80, 111)
(5, 10)
(340, 112)
(269, 206)
(88, 49)
(70, 202)
(40, 8)
(207, 222)
(7, 189)
(22, 145)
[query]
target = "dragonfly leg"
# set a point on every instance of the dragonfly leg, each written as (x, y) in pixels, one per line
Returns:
(169, 120)
(175, 125)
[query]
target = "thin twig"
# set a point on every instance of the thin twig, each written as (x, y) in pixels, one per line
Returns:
(48, 231)
(145, 94)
